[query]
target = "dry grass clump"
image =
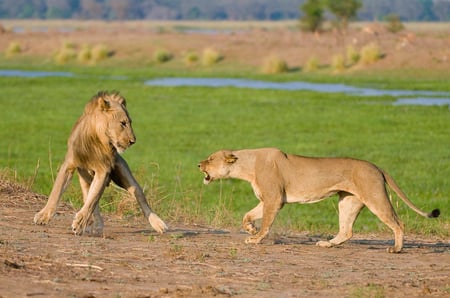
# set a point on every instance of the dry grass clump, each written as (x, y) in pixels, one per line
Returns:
(190, 58)
(210, 57)
(274, 64)
(162, 56)
(312, 64)
(338, 63)
(84, 55)
(66, 53)
(370, 54)
(100, 52)
(13, 49)
(352, 55)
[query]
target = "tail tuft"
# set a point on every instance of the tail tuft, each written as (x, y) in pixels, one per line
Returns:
(434, 213)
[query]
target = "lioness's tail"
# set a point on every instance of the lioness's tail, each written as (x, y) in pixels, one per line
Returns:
(390, 181)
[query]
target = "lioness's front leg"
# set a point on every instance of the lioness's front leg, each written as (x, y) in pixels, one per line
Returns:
(62, 181)
(95, 192)
(122, 176)
(270, 210)
(248, 222)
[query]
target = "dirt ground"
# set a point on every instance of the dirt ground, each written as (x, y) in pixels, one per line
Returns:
(131, 260)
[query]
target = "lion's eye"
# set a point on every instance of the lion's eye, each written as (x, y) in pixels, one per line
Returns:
(123, 123)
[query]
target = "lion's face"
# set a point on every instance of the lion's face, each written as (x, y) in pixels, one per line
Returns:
(217, 165)
(119, 130)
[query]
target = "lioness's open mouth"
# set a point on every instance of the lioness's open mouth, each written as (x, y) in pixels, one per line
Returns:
(207, 179)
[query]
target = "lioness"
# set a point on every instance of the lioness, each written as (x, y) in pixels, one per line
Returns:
(278, 178)
(100, 134)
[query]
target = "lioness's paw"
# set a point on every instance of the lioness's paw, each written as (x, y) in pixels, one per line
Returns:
(324, 244)
(253, 240)
(42, 218)
(157, 223)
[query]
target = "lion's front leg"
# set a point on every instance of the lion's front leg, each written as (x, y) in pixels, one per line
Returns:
(269, 211)
(83, 217)
(248, 222)
(62, 181)
(95, 224)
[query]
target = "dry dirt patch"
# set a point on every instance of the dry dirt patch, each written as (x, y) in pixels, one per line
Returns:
(196, 261)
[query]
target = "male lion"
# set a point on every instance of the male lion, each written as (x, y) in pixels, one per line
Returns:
(278, 178)
(100, 134)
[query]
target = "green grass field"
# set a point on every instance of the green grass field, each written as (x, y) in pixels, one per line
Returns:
(178, 127)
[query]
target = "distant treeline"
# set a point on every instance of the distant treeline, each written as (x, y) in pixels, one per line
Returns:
(407, 10)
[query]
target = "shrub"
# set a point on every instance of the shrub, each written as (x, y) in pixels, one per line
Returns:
(352, 55)
(84, 55)
(312, 64)
(370, 53)
(190, 58)
(162, 56)
(100, 52)
(393, 23)
(274, 64)
(14, 48)
(338, 63)
(210, 56)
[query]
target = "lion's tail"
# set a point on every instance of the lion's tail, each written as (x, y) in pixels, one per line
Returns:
(390, 181)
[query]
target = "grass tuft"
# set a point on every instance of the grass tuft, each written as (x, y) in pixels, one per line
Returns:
(162, 56)
(210, 57)
(14, 48)
(370, 54)
(274, 64)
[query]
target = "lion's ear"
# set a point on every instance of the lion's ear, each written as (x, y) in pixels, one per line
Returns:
(230, 158)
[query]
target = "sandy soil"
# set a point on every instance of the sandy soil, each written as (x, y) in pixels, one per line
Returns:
(131, 260)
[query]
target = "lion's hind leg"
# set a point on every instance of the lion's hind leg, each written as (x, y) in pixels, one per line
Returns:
(349, 208)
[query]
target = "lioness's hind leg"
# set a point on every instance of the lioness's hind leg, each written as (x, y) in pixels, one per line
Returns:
(248, 222)
(349, 208)
(382, 208)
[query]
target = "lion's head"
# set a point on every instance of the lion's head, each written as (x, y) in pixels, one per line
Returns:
(103, 129)
(217, 165)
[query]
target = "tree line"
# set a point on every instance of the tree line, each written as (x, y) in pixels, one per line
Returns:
(407, 10)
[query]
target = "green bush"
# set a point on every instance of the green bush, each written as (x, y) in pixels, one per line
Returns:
(393, 23)
(13, 49)
(370, 53)
(210, 56)
(190, 58)
(352, 55)
(162, 56)
(312, 64)
(274, 64)
(338, 63)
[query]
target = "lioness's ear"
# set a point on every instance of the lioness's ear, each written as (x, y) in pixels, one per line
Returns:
(230, 158)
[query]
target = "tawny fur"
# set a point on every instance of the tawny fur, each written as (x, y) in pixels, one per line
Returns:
(278, 178)
(102, 132)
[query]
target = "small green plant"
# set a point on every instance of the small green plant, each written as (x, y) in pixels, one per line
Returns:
(370, 290)
(274, 64)
(13, 49)
(352, 55)
(162, 56)
(338, 63)
(312, 64)
(393, 23)
(190, 58)
(370, 54)
(210, 57)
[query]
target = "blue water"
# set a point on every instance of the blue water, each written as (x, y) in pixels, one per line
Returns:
(416, 97)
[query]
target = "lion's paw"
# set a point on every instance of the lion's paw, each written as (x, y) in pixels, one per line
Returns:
(79, 224)
(324, 244)
(250, 228)
(157, 223)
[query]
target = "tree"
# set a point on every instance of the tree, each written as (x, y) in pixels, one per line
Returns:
(344, 11)
(312, 18)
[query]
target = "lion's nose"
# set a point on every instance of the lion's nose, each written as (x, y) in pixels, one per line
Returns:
(132, 141)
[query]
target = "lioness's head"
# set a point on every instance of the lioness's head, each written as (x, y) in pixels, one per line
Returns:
(217, 165)
(113, 120)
